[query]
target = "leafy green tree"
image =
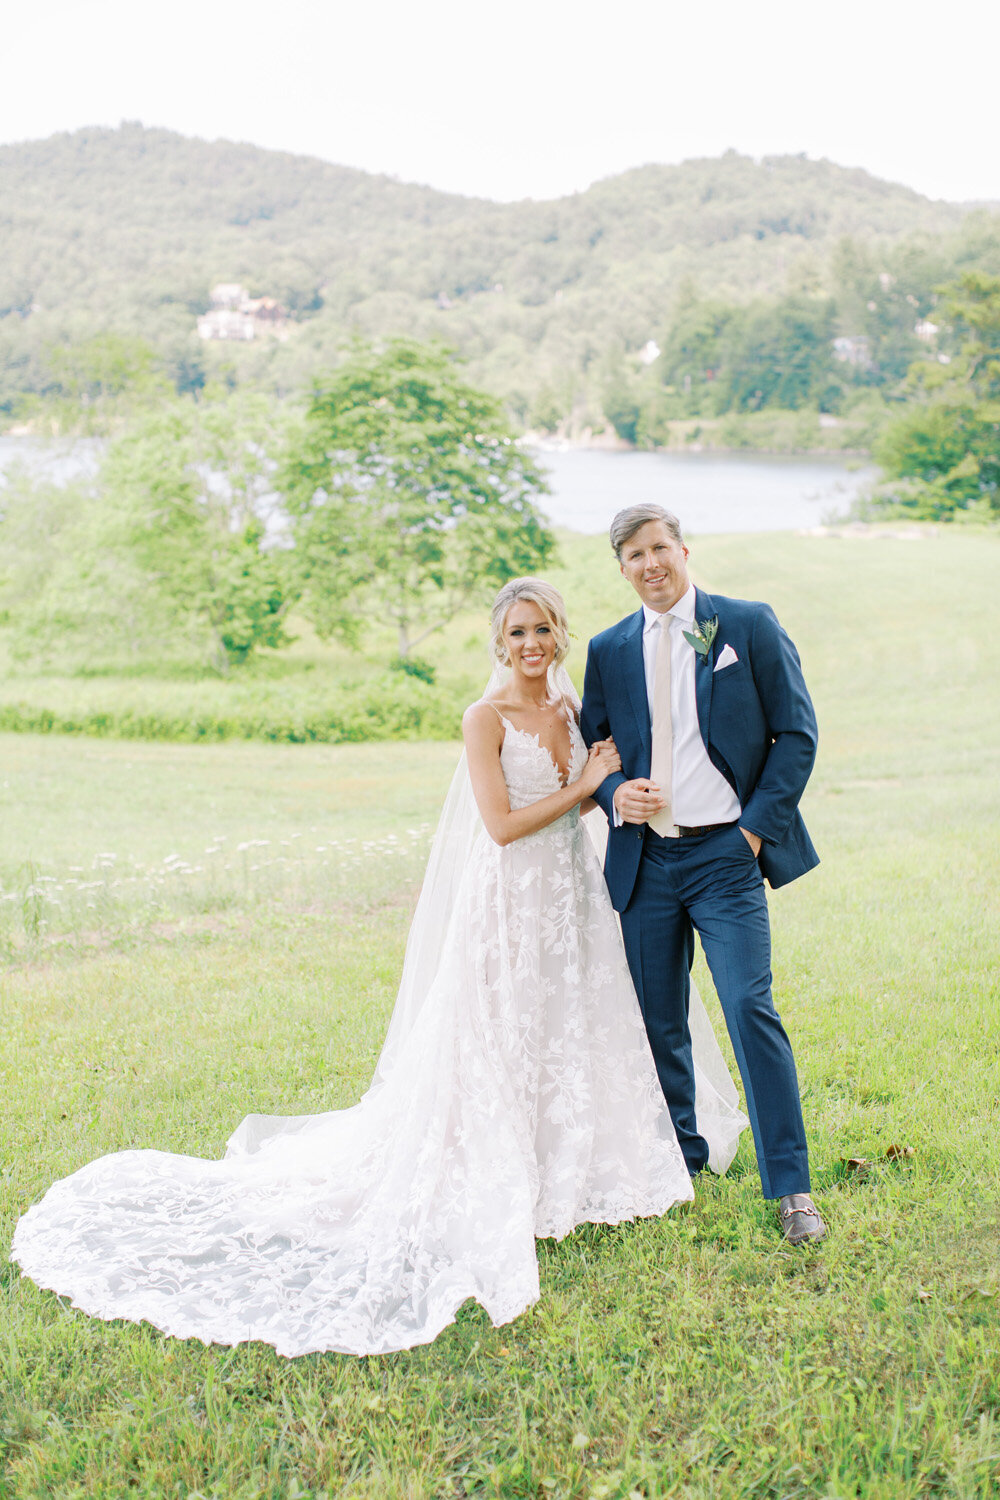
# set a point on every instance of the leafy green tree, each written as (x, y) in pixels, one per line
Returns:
(973, 304)
(946, 445)
(166, 554)
(778, 354)
(547, 411)
(101, 381)
(881, 294)
(45, 562)
(407, 495)
(622, 398)
(693, 350)
(190, 490)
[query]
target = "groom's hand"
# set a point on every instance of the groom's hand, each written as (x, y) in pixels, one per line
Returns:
(637, 801)
(752, 839)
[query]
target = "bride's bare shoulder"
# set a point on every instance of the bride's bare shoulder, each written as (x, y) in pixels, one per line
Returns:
(482, 720)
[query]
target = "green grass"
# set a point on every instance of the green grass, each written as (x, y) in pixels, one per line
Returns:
(689, 1356)
(103, 840)
(325, 693)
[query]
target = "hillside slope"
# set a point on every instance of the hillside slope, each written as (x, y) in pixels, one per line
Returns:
(128, 229)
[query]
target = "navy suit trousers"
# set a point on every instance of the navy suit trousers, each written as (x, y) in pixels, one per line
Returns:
(711, 884)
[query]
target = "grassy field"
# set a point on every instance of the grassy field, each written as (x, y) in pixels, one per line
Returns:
(690, 1356)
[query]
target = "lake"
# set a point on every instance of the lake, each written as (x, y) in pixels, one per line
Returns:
(60, 459)
(709, 492)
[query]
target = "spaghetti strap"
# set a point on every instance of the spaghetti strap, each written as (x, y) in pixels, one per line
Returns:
(569, 712)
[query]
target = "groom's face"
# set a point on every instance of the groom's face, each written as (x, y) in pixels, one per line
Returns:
(655, 564)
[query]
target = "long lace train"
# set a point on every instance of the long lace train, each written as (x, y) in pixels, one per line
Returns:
(515, 1097)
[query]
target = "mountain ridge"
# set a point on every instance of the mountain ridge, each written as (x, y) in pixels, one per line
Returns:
(128, 229)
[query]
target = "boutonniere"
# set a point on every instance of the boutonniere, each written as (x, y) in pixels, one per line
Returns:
(702, 636)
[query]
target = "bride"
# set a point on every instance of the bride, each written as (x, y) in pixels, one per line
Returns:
(515, 1095)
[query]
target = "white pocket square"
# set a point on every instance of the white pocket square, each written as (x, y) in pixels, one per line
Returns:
(726, 658)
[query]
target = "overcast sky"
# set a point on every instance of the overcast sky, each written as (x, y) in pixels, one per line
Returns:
(527, 98)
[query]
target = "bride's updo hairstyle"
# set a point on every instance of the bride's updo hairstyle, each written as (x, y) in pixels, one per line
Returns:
(549, 601)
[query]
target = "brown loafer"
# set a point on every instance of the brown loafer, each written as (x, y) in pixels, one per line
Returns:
(800, 1220)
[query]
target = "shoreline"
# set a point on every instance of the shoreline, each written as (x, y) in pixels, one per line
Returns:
(547, 442)
(588, 441)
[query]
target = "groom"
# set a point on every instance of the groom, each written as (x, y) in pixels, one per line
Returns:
(705, 699)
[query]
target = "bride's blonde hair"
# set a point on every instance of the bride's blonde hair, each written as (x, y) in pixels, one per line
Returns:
(534, 591)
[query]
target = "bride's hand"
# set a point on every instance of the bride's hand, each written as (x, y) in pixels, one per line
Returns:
(610, 749)
(604, 759)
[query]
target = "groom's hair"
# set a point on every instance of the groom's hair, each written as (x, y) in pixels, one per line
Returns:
(627, 522)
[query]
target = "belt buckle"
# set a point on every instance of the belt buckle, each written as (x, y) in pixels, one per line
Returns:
(672, 833)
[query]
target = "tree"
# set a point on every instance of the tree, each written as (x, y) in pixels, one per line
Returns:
(622, 396)
(44, 584)
(190, 491)
(946, 445)
(100, 381)
(165, 554)
(407, 495)
(693, 348)
(882, 297)
(778, 354)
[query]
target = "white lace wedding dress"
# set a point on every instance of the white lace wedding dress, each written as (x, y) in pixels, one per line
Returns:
(516, 1096)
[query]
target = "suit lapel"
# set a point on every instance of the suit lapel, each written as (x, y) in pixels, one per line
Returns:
(634, 676)
(704, 670)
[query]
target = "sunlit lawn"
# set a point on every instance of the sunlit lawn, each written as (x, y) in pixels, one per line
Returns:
(688, 1356)
(102, 839)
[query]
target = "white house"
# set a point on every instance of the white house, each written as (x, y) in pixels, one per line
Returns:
(236, 316)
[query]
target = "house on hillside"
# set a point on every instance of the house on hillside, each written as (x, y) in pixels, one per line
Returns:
(264, 310)
(228, 294)
(235, 315)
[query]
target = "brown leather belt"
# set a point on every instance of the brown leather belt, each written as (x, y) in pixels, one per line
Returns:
(686, 833)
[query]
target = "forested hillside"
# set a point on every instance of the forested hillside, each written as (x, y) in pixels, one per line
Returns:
(552, 303)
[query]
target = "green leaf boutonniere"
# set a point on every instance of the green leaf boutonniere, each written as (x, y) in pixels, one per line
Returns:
(702, 636)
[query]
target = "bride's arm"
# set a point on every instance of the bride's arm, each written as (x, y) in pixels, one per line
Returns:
(483, 735)
(589, 805)
(609, 748)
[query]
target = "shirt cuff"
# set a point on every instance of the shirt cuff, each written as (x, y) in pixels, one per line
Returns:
(617, 820)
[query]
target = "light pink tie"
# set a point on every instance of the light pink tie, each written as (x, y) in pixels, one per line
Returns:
(661, 768)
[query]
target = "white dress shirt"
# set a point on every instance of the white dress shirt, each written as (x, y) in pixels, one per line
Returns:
(701, 794)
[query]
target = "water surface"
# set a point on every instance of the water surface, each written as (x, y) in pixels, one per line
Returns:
(709, 492)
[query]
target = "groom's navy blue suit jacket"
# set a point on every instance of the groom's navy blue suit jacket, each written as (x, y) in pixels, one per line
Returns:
(756, 720)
